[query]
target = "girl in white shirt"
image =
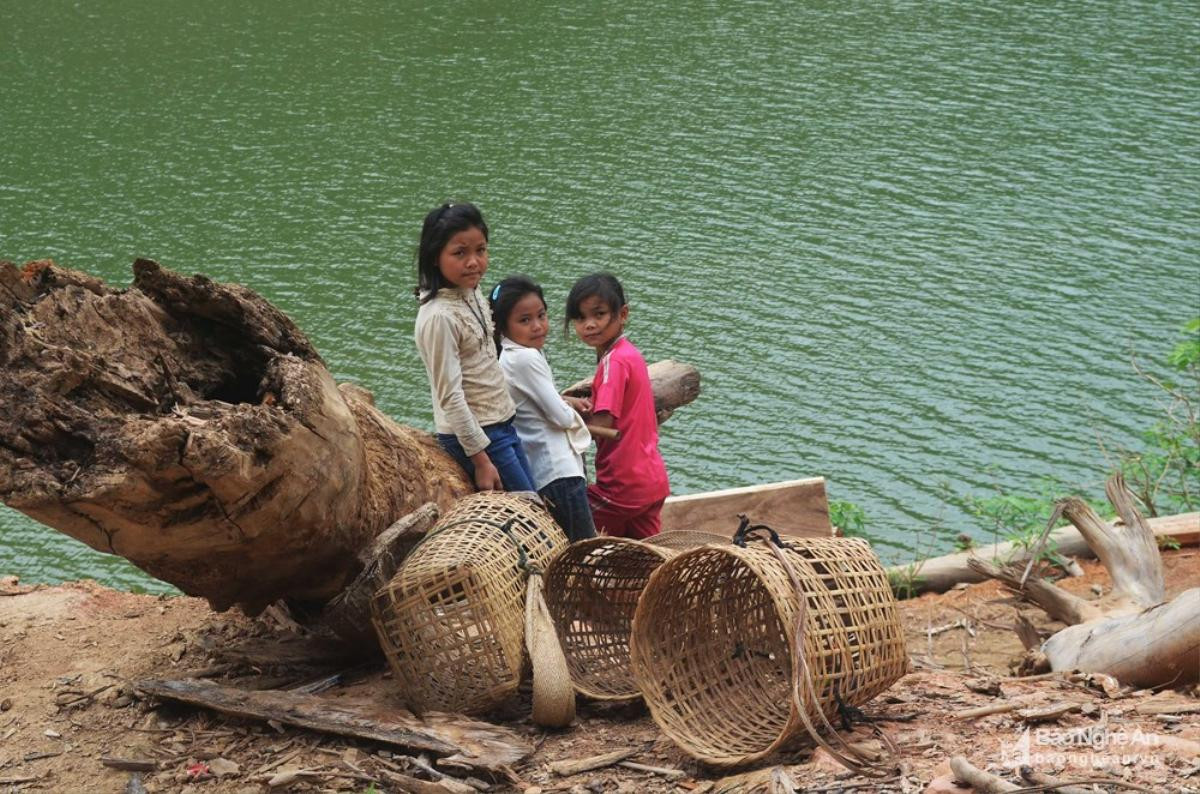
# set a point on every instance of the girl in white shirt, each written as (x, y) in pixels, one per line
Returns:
(552, 432)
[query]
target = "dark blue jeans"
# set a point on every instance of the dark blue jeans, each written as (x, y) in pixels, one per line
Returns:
(568, 502)
(505, 453)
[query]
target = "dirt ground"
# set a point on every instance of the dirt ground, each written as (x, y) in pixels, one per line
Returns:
(69, 657)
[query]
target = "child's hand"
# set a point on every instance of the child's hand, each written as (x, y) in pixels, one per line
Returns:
(487, 477)
(581, 404)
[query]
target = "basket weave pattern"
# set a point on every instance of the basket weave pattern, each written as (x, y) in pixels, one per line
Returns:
(683, 539)
(592, 589)
(451, 621)
(711, 643)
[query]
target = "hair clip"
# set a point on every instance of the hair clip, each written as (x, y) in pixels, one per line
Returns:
(496, 292)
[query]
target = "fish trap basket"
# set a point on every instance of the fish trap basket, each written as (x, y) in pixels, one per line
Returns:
(592, 590)
(451, 622)
(714, 636)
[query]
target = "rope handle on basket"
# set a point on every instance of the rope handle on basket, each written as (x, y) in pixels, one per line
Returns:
(802, 676)
(746, 532)
(523, 562)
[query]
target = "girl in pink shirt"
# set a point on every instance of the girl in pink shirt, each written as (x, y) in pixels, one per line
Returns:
(631, 478)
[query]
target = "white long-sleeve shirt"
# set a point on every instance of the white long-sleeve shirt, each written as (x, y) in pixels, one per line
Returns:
(551, 432)
(453, 333)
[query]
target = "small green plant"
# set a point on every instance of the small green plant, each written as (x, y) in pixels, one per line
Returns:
(849, 518)
(1186, 354)
(1168, 542)
(1165, 473)
(1021, 520)
(906, 581)
(371, 789)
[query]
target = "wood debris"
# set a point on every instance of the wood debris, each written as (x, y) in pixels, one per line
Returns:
(471, 742)
(576, 766)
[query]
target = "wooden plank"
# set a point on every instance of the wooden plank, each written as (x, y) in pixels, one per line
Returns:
(941, 573)
(477, 744)
(793, 507)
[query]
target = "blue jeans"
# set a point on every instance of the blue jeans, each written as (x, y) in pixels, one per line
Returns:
(568, 502)
(505, 453)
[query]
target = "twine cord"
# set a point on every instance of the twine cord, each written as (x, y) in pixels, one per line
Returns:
(745, 532)
(523, 562)
(861, 762)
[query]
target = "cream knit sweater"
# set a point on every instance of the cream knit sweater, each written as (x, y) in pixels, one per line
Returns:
(454, 338)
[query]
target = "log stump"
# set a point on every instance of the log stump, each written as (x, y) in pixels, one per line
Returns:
(192, 428)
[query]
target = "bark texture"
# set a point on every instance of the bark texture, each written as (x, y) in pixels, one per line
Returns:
(191, 427)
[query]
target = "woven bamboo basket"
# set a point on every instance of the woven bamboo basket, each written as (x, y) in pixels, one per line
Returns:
(592, 590)
(451, 621)
(713, 638)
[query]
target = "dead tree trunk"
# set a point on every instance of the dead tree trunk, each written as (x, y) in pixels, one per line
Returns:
(1131, 633)
(191, 427)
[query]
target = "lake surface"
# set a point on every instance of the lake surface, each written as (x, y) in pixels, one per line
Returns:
(910, 246)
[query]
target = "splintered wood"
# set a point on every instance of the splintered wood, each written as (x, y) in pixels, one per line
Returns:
(459, 739)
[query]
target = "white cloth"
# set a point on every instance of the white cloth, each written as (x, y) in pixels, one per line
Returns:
(552, 433)
(454, 337)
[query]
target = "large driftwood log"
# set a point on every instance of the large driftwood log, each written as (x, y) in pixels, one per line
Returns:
(1158, 646)
(939, 574)
(1130, 633)
(191, 427)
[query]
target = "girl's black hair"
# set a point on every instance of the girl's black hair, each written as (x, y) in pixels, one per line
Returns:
(440, 225)
(602, 285)
(505, 296)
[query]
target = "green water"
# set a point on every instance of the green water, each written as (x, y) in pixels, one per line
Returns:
(910, 246)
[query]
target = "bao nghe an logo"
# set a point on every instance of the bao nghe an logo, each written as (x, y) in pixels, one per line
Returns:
(1094, 747)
